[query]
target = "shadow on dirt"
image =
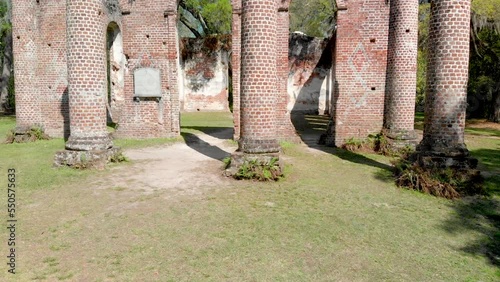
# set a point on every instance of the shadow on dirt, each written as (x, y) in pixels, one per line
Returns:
(198, 144)
(217, 132)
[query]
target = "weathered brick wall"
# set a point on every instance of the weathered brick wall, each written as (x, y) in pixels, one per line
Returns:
(25, 35)
(284, 127)
(53, 77)
(258, 77)
(447, 75)
(236, 66)
(309, 78)
(148, 39)
(402, 69)
(148, 34)
(360, 69)
(205, 72)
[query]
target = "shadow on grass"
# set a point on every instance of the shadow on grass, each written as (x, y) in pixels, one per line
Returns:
(482, 131)
(311, 127)
(205, 148)
(481, 213)
(360, 159)
(488, 157)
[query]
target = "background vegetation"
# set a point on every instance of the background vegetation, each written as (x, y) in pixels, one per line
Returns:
(484, 77)
(7, 103)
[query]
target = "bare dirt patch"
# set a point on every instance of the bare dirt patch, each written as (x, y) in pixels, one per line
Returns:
(181, 168)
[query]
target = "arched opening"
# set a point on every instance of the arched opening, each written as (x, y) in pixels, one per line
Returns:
(116, 62)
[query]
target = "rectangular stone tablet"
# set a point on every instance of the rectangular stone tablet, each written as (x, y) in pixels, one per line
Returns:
(147, 82)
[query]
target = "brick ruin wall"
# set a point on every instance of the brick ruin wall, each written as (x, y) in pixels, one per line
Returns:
(309, 78)
(148, 34)
(203, 77)
(359, 73)
(205, 74)
(145, 34)
(39, 33)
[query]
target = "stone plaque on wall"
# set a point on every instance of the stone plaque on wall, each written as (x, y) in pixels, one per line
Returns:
(147, 82)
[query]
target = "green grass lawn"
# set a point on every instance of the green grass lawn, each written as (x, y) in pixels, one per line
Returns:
(337, 216)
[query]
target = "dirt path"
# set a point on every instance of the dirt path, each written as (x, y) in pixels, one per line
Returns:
(181, 168)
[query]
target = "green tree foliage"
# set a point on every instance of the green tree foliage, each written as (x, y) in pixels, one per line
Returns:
(205, 17)
(199, 18)
(313, 17)
(486, 13)
(423, 36)
(6, 77)
(484, 75)
(484, 81)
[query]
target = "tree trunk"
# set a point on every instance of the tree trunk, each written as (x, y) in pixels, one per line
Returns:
(6, 73)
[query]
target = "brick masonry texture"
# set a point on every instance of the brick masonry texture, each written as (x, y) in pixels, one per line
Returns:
(447, 75)
(60, 49)
(285, 129)
(25, 44)
(360, 56)
(148, 34)
(259, 93)
(236, 65)
(402, 70)
(150, 40)
(87, 77)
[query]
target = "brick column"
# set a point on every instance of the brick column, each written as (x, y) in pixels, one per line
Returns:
(446, 95)
(87, 79)
(173, 70)
(86, 76)
(258, 77)
(236, 65)
(25, 41)
(258, 137)
(401, 72)
(285, 128)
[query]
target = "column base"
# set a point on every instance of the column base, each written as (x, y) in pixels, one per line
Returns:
(267, 166)
(24, 134)
(93, 143)
(87, 159)
(400, 139)
(440, 160)
(258, 146)
(432, 153)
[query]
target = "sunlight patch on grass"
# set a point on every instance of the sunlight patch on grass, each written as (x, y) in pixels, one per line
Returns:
(206, 119)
